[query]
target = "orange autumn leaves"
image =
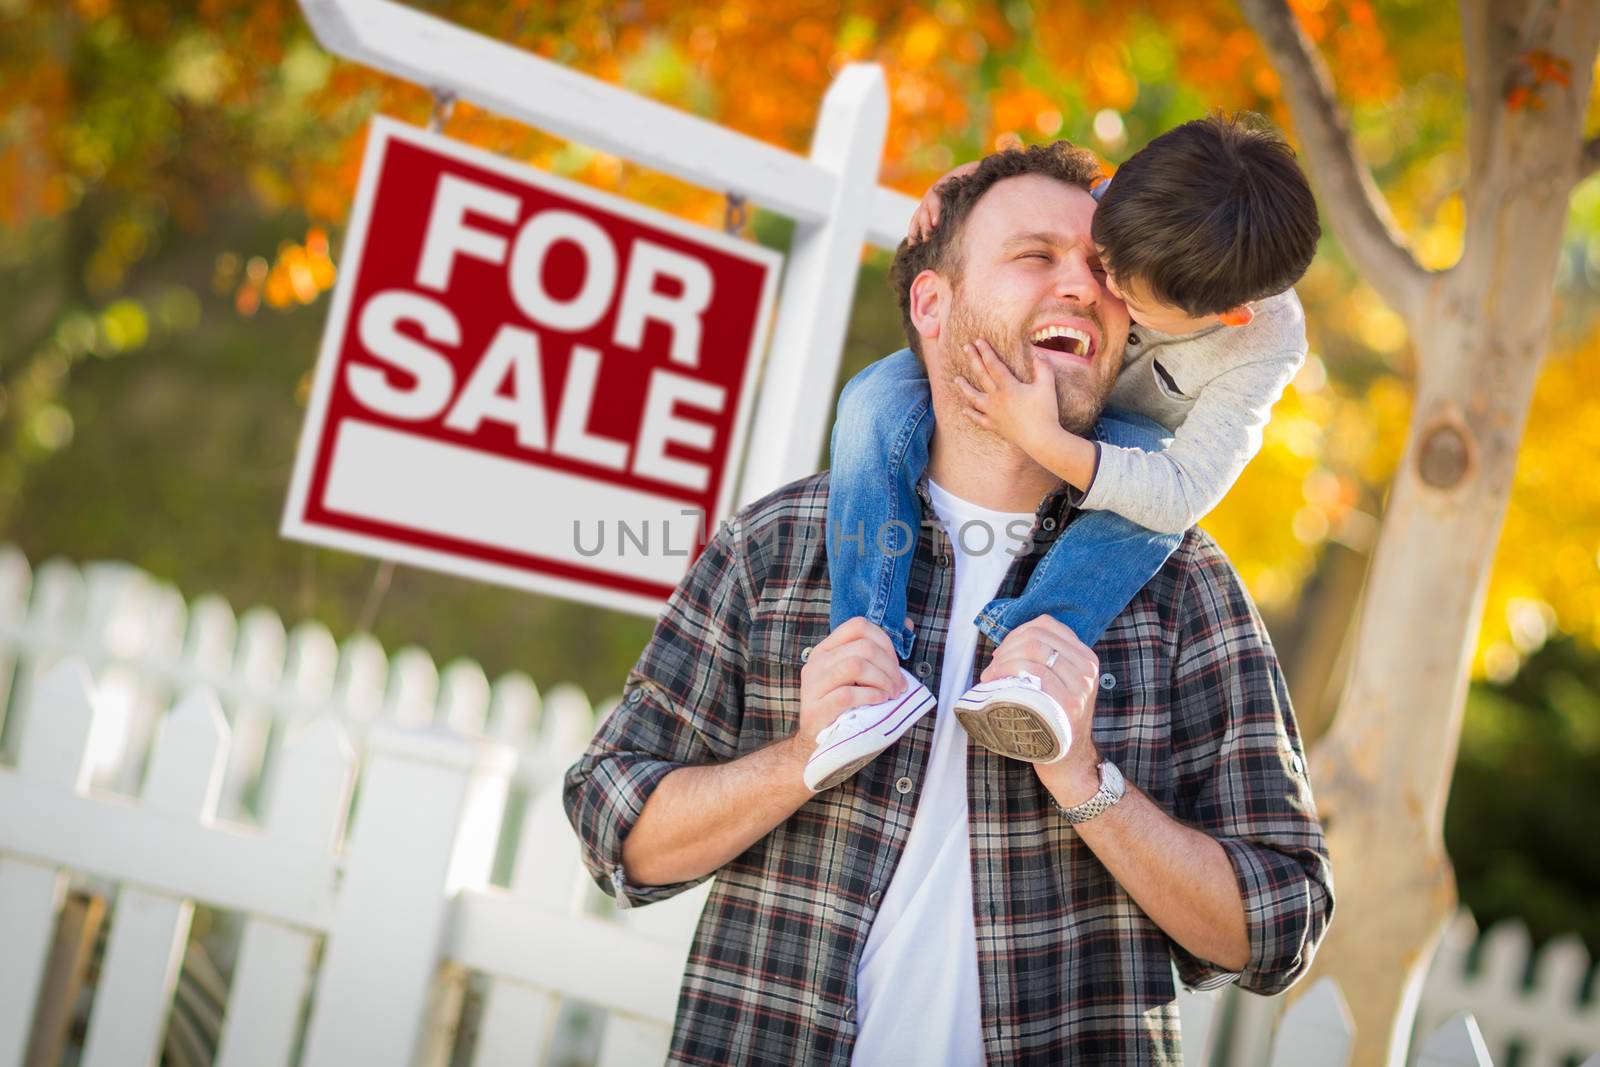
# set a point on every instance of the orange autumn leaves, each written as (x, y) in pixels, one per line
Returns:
(298, 274)
(961, 75)
(1537, 72)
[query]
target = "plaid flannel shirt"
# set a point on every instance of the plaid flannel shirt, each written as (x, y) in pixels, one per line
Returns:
(1192, 707)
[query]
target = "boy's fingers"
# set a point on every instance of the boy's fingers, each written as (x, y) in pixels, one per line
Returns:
(991, 362)
(974, 373)
(924, 218)
(973, 396)
(1043, 376)
(918, 225)
(995, 371)
(980, 372)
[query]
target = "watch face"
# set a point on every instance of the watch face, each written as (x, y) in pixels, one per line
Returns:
(1111, 779)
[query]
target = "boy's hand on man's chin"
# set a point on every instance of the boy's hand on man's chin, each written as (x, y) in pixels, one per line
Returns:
(1023, 412)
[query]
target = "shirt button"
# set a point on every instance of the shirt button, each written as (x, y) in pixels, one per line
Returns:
(903, 786)
(850, 1014)
(1049, 522)
(1297, 763)
(1108, 681)
(944, 561)
(874, 897)
(635, 695)
(805, 654)
(924, 669)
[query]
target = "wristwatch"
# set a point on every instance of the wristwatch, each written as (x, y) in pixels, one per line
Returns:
(1111, 789)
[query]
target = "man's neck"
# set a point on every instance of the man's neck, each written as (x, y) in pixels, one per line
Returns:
(987, 470)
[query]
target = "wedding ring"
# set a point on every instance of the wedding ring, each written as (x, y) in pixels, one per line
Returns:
(1050, 660)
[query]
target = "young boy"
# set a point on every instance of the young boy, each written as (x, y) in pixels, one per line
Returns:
(1201, 234)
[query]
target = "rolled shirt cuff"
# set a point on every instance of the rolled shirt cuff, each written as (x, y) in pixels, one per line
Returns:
(1281, 908)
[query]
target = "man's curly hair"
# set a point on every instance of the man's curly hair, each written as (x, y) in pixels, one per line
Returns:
(942, 251)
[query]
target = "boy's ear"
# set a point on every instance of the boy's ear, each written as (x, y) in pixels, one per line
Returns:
(1242, 315)
(930, 300)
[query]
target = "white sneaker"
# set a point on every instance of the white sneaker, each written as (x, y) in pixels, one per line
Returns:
(855, 738)
(1015, 717)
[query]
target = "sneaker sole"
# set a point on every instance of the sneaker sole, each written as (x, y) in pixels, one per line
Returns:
(1013, 730)
(845, 772)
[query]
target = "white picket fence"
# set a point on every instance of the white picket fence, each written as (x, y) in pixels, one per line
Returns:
(144, 644)
(402, 904)
(391, 943)
(1547, 1021)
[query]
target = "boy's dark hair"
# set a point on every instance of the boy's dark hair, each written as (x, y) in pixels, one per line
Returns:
(1210, 215)
(942, 251)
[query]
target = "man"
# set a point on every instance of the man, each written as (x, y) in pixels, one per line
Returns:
(1042, 907)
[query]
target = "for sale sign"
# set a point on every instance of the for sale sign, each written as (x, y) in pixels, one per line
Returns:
(526, 381)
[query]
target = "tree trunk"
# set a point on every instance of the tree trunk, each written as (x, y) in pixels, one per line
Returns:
(1382, 773)
(1317, 647)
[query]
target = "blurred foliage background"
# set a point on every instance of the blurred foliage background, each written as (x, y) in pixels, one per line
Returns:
(174, 178)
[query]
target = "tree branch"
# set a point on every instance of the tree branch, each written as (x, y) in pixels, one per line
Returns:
(1489, 38)
(1359, 214)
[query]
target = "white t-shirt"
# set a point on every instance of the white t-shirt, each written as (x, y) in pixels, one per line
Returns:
(917, 986)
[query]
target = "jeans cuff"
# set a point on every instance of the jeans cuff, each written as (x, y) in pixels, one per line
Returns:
(904, 642)
(990, 626)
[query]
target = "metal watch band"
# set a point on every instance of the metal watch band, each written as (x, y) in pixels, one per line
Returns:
(1110, 791)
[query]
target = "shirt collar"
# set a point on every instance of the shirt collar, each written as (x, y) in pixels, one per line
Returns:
(1057, 503)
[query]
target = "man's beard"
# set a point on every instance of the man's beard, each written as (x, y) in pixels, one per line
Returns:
(1078, 402)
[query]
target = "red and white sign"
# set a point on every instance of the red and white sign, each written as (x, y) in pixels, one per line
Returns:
(526, 381)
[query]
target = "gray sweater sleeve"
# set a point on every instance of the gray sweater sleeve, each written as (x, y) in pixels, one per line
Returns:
(1169, 491)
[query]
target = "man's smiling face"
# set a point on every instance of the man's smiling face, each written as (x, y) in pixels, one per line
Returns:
(1030, 282)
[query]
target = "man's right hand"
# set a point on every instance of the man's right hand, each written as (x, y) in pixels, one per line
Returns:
(702, 816)
(855, 664)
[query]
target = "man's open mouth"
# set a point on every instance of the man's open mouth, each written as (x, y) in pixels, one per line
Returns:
(1067, 340)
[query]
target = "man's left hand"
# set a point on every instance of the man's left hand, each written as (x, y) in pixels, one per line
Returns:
(1073, 680)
